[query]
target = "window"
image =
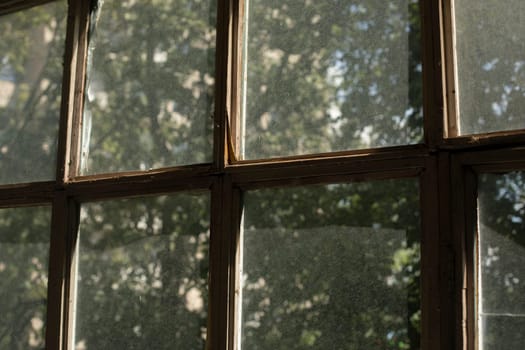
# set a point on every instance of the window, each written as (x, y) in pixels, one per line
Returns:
(220, 174)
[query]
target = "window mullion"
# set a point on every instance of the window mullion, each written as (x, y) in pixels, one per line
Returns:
(222, 264)
(73, 90)
(223, 91)
(432, 33)
(63, 230)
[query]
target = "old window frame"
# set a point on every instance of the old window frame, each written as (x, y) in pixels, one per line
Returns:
(444, 165)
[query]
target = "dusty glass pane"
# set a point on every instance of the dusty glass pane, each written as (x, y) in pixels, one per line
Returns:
(31, 51)
(150, 86)
(501, 313)
(330, 75)
(490, 41)
(331, 267)
(24, 252)
(142, 274)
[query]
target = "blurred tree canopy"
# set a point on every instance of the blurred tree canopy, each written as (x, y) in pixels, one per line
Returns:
(321, 76)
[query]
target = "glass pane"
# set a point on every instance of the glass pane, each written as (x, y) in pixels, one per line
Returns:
(24, 252)
(490, 41)
(142, 274)
(331, 267)
(150, 87)
(330, 75)
(501, 261)
(31, 51)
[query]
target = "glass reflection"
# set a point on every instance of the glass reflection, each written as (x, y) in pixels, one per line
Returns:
(331, 267)
(31, 52)
(330, 75)
(490, 41)
(150, 85)
(501, 314)
(142, 274)
(24, 253)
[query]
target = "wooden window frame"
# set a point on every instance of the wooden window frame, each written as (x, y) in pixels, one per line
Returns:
(444, 163)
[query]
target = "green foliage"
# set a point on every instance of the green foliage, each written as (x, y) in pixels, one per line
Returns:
(332, 266)
(31, 52)
(320, 75)
(24, 250)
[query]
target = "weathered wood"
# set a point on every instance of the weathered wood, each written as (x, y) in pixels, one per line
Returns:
(220, 242)
(10, 6)
(75, 97)
(486, 141)
(236, 77)
(450, 70)
(457, 213)
(430, 258)
(26, 194)
(222, 83)
(234, 262)
(471, 247)
(433, 79)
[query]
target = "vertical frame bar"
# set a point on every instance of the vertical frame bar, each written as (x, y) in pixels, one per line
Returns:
(64, 226)
(452, 122)
(464, 229)
(73, 221)
(73, 91)
(447, 256)
(235, 262)
(457, 210)
(218, 320)
(433, 79)
(430, 258)
(471, 245)
(221, 135)
(57, 272)
(68, 84)
(237, 99)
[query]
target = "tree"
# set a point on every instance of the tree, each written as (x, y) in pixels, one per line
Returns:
(321, 76)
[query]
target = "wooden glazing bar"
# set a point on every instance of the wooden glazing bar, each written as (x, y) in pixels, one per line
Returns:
(74, 100)
(457, 210)
(433, 103)
(26, 194)
(222, 83)
(68, 84)
(157, 174)
(330, 179)
(300, 171)
(10, 6)
(236, 78)
(235, 262)
(471, 242)
(494, 158)
(450, 64)
(138, 187)
(219, 267)
(381, 152)
(447, 256)
(430, 286)
(58, 277)
(70, 276)
(485, 141)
